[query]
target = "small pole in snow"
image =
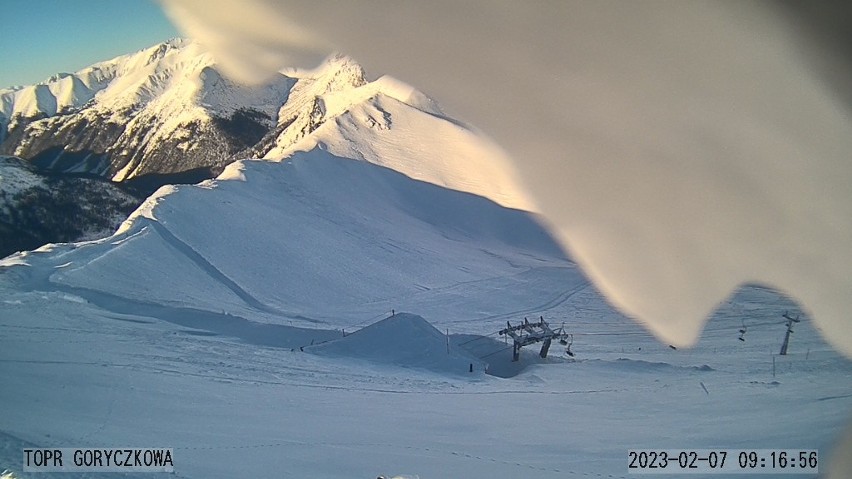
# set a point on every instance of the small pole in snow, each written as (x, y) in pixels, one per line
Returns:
(448, 340)
(808, 353)
(471, 367)
(704, 388)
(773, 365)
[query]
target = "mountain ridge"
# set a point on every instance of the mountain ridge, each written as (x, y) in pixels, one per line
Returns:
(164, 109)
(158, 116)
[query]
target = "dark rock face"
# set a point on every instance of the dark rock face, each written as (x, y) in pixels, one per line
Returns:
(95, 143)
(59, 208)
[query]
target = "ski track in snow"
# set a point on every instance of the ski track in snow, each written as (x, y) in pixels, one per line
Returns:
(209, 268)
(220, 323)
(544, 307)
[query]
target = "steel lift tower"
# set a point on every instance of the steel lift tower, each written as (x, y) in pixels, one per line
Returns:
(528, 333)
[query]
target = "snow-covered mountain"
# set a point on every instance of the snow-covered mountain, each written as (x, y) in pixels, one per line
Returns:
(355, 179)
(338, 237)
(164, 109)
(165, 115)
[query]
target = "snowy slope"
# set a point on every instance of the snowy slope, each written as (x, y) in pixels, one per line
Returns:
(166, 109)
(390, 124)
(344, 239)
(83, 369)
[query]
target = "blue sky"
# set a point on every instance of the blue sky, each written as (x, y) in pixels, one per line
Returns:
(43, 37)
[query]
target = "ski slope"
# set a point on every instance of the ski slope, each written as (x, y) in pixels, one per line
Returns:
(249, 402)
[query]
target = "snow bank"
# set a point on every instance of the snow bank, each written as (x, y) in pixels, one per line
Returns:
(403, 340)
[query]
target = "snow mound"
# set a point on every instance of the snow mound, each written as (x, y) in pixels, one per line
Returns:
(404, 340)
(639, 365)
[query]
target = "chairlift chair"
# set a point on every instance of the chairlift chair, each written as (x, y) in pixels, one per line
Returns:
(568, 348)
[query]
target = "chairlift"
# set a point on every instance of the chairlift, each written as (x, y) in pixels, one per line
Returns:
(527, 333)
(562, 336)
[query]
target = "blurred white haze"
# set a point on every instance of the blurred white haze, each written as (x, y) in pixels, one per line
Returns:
(677, 149)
